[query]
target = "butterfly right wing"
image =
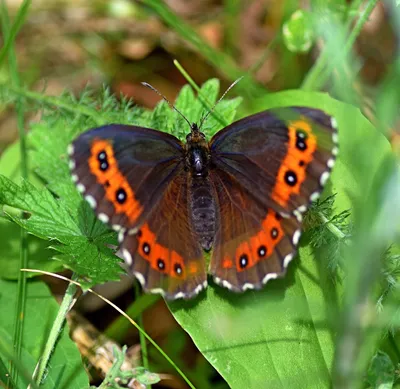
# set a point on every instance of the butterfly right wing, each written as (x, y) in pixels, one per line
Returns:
(283, 155)
(253, 243)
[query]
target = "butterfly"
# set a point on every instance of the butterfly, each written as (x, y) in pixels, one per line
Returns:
(242, 193)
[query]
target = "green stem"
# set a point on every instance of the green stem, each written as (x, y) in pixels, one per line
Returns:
(25, 375)
(10, 33)
(55, 101)
(115, 369)
(55, 332)
(324, 66)
(187, 76)
(360, 24)
(221, 61)
(13, 31)
(331, 227)
(203, 99)
(143, 344)
(121, 325)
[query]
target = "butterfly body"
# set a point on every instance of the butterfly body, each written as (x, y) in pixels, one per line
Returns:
(242, 194)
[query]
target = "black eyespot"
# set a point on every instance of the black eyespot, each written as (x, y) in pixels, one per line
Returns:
(107, 183)
(146, 248)
(301, 144)
(104, 166)
(278, 216)
(301, 134)
(178, 269)
(160, 264)
(139, 233)
(274, 233)
(102, 156)
(243, 261)
(262, 251)
(301, 163)
(291, 178)
(120, 195)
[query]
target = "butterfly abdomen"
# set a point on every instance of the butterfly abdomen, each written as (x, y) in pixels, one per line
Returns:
(203, 210)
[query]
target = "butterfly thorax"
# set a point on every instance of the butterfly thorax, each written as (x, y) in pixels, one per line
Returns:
(197, 153)
(202, 204)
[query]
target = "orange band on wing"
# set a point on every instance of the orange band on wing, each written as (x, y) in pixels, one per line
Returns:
(104, 167)
(292, 173)
(258, 247)
(161, 258)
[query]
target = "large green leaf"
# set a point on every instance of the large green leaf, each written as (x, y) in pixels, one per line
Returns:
(283, 336)
(65, 369)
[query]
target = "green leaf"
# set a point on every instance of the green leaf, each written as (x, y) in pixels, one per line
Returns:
(381, 372)
(10, 164)
(65, 368)
(39, 256)
(48, 219)
(90, 257)
(298, 32)
(274, 338)
(283, 336)
(84, 247)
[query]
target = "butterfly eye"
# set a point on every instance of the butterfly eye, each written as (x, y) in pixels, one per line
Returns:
(291, 178)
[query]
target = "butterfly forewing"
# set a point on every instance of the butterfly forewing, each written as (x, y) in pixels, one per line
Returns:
(283, 156)
(123, 171)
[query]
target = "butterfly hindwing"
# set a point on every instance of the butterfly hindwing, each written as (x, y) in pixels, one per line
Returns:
(123, 170)
(253, 243)
(165, 254)
(284, 155)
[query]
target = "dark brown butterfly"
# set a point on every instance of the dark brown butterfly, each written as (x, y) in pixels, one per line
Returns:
(241, 194)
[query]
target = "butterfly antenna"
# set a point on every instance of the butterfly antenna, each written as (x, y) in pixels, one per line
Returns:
(167, 101)
(212, 109)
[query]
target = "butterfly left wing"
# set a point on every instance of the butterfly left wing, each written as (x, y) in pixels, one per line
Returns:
(165, 255)
(253, 243)
(122, 171)
(134, 178)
